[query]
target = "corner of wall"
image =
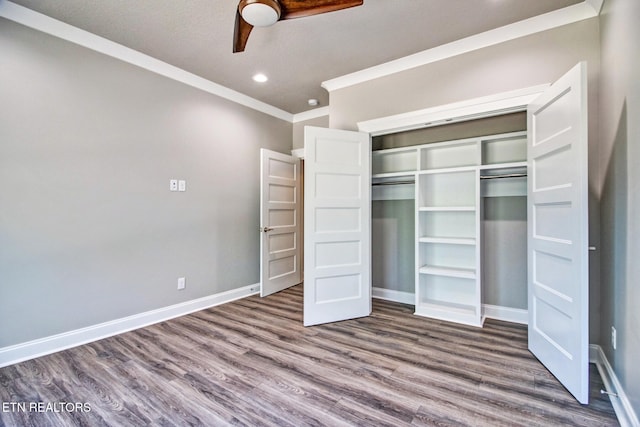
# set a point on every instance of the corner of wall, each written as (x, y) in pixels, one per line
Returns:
(619, 400)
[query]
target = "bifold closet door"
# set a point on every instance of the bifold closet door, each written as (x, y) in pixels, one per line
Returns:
(558, 231)
(337, 225)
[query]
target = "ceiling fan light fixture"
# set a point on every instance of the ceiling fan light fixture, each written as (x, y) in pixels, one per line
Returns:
(260, 13)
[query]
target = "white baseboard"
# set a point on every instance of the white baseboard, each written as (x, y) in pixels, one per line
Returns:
(43, 346)
(624, 411)
(507, 314)
(392, 295)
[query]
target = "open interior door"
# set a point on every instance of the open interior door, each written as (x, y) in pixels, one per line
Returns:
(337, 225)
(558, 231)
(280, 228)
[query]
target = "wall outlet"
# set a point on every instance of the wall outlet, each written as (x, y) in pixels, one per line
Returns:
(614, 338)
(182, 283)
(173, 185)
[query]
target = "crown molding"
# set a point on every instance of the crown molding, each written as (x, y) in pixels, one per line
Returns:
(53, 27)
(311, 114)
(568, 15)
(596, 5)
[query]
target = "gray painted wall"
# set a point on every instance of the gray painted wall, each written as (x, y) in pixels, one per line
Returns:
(298, 129)
(89, 231)
(620, 191)
(393, 245)
(527, 61)
(504, 251)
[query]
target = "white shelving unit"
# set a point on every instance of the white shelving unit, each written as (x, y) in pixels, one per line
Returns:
(450, 179)
(449, 188)
(393, 173)
(447, 223)
(394, 162)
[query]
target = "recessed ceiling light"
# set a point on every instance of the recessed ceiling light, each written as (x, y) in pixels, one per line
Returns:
(313, 102)
(260, 78)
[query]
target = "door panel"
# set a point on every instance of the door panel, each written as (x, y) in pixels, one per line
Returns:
(558, 231)
(280, 222)
(337, 212)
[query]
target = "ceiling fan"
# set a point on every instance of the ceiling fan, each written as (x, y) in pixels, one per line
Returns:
(262, 13)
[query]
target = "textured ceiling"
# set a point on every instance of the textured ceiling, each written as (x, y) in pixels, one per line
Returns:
(297, 55)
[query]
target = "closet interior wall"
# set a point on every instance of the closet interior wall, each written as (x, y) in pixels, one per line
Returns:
(503, 226)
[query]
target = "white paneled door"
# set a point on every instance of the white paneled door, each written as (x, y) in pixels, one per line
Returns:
(337, 225)
(558, 231)
(280, 228)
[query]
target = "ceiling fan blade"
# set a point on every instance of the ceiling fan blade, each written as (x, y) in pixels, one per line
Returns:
(241, 33)
(301, 8)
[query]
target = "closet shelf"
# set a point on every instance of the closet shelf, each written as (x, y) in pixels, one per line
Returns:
(470, 168)
(449, 240)
(463, 273)
(447, 209)
(450, 312)
(497, 166)
(408, 174)
(446, 307)
(407, 182)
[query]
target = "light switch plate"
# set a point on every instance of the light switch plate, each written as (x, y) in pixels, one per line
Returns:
(173, 185)
(182, 185)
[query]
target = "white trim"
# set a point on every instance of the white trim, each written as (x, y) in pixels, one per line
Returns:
(536, 24)
(621, 404)
(506, 314)
(298, 153)
(310, 114)
(395, 296)
(596, 5)
(43, 346)
(486, 106)
(53, 27)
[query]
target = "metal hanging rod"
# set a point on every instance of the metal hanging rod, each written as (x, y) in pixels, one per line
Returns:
(393, 183)
(506, 175)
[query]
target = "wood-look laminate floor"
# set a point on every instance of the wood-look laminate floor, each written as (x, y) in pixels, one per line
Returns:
(251, 362)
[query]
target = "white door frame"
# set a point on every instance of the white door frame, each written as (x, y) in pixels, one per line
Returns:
(476, 108)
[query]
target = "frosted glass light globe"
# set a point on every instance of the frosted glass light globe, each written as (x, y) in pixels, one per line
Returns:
(260, 15)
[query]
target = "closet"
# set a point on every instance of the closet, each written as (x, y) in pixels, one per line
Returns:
(460, 184)
(466, 238)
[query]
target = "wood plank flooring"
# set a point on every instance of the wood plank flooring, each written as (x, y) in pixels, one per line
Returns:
(251, 362)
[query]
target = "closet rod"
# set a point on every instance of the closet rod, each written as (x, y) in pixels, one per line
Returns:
(393, 183)
(506, 175)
